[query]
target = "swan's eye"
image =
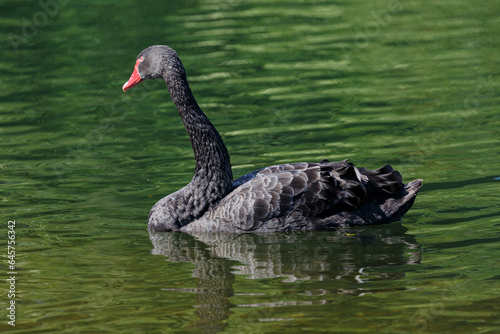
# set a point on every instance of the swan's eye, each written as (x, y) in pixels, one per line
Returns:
(140, 60)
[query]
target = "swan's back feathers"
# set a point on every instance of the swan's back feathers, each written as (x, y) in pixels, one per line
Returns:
(307, 196)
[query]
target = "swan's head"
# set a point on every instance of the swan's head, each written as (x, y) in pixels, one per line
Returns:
(153, 63)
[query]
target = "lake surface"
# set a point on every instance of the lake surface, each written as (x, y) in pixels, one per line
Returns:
(413, 84)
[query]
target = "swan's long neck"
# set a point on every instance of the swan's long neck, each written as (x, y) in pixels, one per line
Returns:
(213, 176)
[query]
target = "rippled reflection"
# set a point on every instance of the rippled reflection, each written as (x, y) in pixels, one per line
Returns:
(368, 254)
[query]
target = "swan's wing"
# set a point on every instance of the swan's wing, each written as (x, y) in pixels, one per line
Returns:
(276, 195)
(279, 168)
(302, 196)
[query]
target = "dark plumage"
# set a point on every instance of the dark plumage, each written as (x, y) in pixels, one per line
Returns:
(290, 197)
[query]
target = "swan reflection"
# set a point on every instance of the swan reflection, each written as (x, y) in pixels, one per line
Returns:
(374, 253)
(340, 255)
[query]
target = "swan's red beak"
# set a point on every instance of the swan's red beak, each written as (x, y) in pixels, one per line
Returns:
(135, 78)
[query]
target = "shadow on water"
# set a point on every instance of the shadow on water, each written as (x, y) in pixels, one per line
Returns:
(459, 184)
(376, 253)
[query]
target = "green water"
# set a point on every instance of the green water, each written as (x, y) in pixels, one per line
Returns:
(414, 84)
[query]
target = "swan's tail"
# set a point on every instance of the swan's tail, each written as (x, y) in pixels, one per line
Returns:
(384, 210)
(396, 207)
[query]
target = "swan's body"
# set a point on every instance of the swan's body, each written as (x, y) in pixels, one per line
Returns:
(290, 197)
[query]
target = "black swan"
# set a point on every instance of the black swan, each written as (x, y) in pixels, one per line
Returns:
(290, 197)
